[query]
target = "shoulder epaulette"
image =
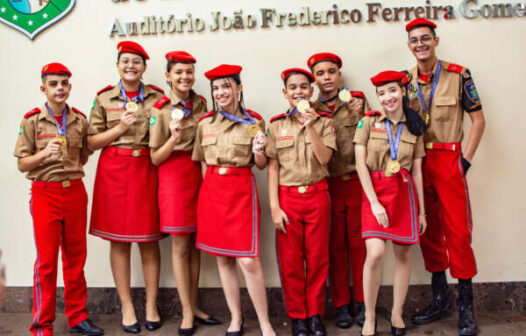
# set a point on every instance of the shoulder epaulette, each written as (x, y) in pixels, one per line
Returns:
(32, 112)
(455, 68)
(156, 88)
(209, 114)
(358, 94)
(324, 114)
(203, 98)
(161, 102)
(373, 113)
(105, 89)
(279, 116)
(254, 114)
(78, 111)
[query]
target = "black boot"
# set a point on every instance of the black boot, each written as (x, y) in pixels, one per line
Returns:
(467, 325)
(440, 306)
(299, 327)
(344, 318)
(360, 313)
(316, 326)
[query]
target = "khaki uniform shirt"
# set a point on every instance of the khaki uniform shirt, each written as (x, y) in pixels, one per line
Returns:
(454, 94)
(162, 116)
(290, 144)
(345, 122)
(222, 142)
(108, 108)
(372, 134)
(38, 129)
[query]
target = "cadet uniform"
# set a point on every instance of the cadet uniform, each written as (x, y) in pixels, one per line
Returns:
(59, 209)
(125, 192)
(228, 206)
(303, 252)
(346, 193)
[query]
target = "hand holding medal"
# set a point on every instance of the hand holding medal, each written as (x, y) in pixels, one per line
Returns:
(127, 119)
(175, 129)
(54, 147)
(259, 143)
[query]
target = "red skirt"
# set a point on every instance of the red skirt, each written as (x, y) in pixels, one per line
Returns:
(228, 213)
(125, 197)
(179, 182)
(397, 194)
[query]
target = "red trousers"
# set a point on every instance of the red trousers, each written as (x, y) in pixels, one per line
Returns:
(346, 240)
(447, 241)
(59, 220)
(303, 252)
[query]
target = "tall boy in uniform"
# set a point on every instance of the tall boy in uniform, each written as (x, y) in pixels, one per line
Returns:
(346, 108)
(442, 92)
(51, 149)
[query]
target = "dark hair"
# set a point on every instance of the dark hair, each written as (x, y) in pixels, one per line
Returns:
(296, 73)
(119, 57)
(237, 79)
(170, 65)
(431, 28)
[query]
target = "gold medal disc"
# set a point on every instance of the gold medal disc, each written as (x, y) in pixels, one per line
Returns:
(177, 114)
(303, 106)
(132, 106)
(426, 119)
(63, 140)
(253, 130)
(393, 166)
(345, 95)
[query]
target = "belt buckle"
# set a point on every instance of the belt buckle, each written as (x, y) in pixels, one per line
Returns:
(136, 153)
(223, 170)
(346, 177)
(66, 184)
(429, 145)
(453, 147)
(302, 189)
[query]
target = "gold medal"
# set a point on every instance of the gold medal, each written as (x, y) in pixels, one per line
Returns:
(63, 140)
(426, 118)
(303, 106)
(132, 106)
(253, 130)
(177, 114)
(345, 95)
(393, 167)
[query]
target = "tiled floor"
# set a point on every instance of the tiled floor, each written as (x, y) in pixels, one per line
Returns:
(494, 324)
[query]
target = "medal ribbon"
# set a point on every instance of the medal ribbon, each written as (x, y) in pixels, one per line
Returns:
(426, 107)
(292, 112)
(61, 130)
(186, 110)
(140, 97)
(393, 145)
(250, 120)
(325, 101)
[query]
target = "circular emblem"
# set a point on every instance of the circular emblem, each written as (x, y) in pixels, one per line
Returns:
(344, 95)
(177, 114)
(303, 106)
(253, 130)
(132, 106)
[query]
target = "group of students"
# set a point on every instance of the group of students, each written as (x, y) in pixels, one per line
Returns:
(341, 179)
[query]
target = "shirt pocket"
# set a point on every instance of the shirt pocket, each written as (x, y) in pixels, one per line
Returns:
(209, 148)
(73, 153)
(378, 143)
(407, 147)
(242, 146)
(443, 106)
(344, 137)
(42, 143)
(188, 130)
(114, 118)
(285, 149)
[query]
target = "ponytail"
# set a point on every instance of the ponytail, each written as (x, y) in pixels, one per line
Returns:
(415, 124)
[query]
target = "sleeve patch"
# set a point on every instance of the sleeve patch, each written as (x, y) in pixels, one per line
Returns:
(471, 91)
(153, 120)
(94, 104)
(360, 124)
(21, 130)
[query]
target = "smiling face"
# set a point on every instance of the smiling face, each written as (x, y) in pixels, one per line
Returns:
(56, 88)
(297, 89)
(131, 67)
(181, 78)
(422, 43)
(328, 76)
(390, 96)
(225, 92)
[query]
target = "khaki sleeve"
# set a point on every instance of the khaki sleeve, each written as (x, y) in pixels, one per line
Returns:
(85, 152)
(159, 128)
(419, 151)
(97, 118)
(197, 153)
(25, 144)
(361, 137)
(261, 124)
(328, 134)
(270, 149)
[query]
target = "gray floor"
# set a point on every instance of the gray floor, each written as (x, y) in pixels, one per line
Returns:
(494, 324)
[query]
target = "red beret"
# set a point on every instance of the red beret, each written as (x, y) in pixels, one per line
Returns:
(385, 77)
(320, 57)
(132, 47)
(55, 69)
(292, 71)
(180, 56)
(420, 22)
(224, 70)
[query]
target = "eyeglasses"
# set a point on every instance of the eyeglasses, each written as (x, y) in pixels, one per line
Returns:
(423, 39)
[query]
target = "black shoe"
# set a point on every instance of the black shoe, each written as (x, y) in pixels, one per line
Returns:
(440, 306)
(153, 325)
(87, 327)
(344, 318)
(236, 333)
(395, 331)
(186, 331)
(375, 329)
(207, 321)
(299, 327)
(360, 313)
(467, 325)
(132, 328)
(316, 327)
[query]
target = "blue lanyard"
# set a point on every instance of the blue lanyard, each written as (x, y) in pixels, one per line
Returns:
(325, 101)
(393, 145)
(186, 110)
(293, 112)
(140, 97)
(61, 131)
(250, 120)
(436, 77)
